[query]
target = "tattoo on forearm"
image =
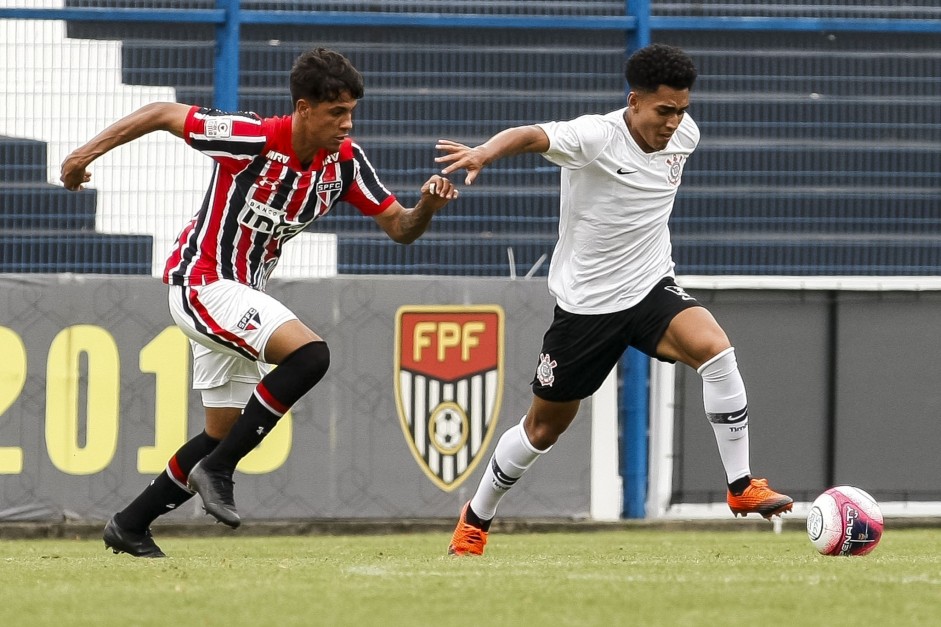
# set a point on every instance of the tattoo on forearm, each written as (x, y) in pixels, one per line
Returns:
(414, 221)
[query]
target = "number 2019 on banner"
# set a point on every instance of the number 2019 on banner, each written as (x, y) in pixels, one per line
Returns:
(167, 357)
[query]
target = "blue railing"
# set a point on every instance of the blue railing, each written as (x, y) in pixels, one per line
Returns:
(637, 23)
(229, 17)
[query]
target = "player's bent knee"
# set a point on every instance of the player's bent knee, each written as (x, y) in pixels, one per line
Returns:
(543, 437)
(543, 432)
(313, 360)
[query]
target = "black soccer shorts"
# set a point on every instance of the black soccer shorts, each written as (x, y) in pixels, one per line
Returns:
(579, 351)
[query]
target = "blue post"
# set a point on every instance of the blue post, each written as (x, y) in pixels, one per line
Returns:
(640, 36)
(635, 366)
(225, 94)
(634, 416)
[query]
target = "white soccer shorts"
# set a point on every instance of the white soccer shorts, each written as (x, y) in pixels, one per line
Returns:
(229, 325)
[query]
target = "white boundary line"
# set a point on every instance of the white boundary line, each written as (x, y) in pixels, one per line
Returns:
(660, 442)
(607, 493)
(712, 511)
(846, 283)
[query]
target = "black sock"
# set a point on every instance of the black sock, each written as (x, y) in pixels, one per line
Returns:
(474, 519)
(273, 397)
(738, 486)
(166, 493)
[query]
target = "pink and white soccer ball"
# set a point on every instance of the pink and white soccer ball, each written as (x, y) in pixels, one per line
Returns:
(844, 521)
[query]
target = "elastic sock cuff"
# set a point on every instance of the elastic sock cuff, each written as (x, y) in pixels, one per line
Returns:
(525, 440)
(730, 349)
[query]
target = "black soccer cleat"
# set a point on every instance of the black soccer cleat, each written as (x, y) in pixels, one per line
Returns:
(215, 487)
(136, 544)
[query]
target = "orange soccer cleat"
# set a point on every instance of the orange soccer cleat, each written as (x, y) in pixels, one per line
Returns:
(759, 498)
(467, 539)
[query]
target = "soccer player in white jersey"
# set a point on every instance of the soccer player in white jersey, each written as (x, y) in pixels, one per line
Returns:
(273, 177)
(613, 279)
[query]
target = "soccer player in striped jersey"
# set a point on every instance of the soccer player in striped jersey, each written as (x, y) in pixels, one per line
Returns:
(273, 177)
(612, 274)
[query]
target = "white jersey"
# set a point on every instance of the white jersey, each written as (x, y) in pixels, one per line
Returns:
(615, 201)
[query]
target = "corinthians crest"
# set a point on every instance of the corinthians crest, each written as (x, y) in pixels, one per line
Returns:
(675, 163)
(448, 385)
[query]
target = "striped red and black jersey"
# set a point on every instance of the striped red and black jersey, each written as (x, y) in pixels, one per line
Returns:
(260, 196)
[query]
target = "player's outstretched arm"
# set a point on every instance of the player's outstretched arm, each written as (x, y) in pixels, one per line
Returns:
(157, 116)
(506, 143)
(404, 225)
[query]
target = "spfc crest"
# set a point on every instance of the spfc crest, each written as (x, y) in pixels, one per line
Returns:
(448, 385)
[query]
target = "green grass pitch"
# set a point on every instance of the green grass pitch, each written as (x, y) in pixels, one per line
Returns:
(642, 577)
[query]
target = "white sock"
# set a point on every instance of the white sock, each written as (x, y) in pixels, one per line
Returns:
(512, 457)
(723, 394)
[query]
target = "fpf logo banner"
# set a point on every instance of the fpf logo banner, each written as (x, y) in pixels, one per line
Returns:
(448, 385)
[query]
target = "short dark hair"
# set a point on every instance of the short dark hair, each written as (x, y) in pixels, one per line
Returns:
(659, 64)
(322, 75)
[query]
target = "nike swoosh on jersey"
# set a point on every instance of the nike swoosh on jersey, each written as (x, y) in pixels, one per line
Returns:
(623, 171)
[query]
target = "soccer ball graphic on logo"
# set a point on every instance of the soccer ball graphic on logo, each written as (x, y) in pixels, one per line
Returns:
(448, 428)
(844, 521)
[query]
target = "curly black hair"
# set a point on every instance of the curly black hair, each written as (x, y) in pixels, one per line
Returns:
(322, 75)
(659, 64)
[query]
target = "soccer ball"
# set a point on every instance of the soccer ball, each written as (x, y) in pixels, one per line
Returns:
(844, 521)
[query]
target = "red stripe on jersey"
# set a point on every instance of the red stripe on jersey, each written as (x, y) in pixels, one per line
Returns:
(212, 243)
(261, 197)
(356, 195)
(215, 328)
(346, 150)
(176, 255)
(274, 405)
(365, 190)
(242, 248)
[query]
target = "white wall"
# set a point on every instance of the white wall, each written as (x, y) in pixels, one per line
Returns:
(63, 91)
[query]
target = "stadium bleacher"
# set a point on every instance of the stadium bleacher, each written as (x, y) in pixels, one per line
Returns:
(44, 228)
(819, 151)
